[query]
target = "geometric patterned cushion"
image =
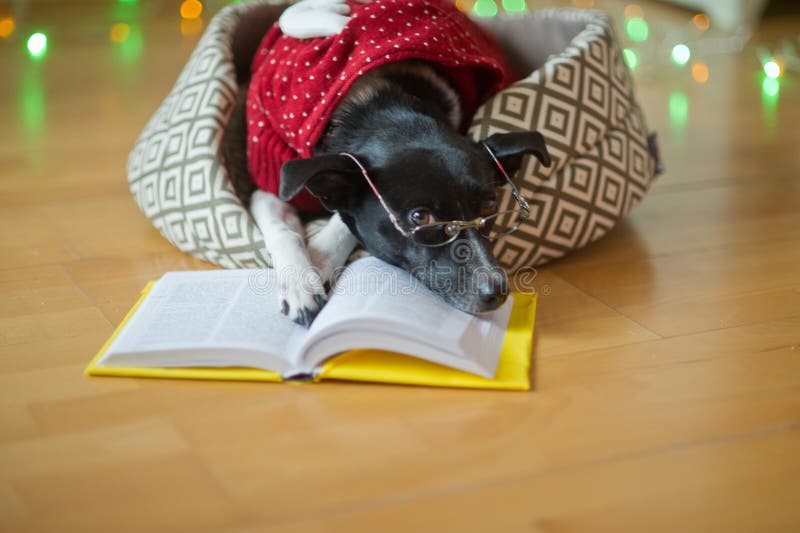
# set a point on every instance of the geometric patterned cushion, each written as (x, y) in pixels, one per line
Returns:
(579, 95)
(582, 101)
(174, 171)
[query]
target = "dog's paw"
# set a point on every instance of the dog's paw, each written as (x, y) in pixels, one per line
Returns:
(327, 259)
(329, 247)
(302, 295)
(314, 18)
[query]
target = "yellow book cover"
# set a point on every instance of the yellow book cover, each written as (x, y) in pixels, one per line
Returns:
(366, 365)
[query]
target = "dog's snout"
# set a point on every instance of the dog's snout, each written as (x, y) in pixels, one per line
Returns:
(492, 291)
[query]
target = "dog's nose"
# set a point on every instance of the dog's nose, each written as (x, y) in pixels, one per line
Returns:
(492, 291)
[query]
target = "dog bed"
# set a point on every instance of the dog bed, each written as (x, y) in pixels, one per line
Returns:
(577, 92)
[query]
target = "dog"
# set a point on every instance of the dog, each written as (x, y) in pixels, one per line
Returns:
(391, 162)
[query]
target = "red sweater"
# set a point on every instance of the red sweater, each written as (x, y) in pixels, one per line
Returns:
(296, 84)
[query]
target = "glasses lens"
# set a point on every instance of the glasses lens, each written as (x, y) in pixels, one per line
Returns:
(434, 235)
(503, 223)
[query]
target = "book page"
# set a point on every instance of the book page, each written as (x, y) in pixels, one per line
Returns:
(210, 318)
(396, 312)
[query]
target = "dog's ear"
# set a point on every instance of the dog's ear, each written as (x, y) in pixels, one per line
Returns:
(331, 178)
(509, 148)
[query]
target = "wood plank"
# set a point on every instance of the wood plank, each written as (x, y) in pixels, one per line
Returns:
(697, 290)
(707, 487)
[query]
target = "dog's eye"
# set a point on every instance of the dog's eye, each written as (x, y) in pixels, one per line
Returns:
(420, 217)
(488, 207)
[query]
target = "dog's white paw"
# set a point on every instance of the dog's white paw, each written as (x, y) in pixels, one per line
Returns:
(324, 257)
(300, 286)
(302, 294)
(329, 248)
(314, 18)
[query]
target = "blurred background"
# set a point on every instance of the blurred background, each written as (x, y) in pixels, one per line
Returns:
(96, 65)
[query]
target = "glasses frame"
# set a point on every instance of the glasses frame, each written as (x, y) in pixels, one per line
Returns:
(453, 227)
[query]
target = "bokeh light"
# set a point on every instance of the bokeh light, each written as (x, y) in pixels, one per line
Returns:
(119, 32)
(631, 58)
(637, 29)
(514, 6)
(465, 6)
(700, 72)
(37, 45)
(701, 21)
(772, 69)
(191, 9)
(634, 11)
(485, 8)
(681, 54)
(7, 26)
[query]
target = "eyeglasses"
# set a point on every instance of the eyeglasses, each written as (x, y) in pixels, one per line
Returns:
(492, 227)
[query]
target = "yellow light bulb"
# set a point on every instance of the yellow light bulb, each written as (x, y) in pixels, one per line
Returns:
(701, 21)
(191, 9)
(7, 26)
(119, 32)
(634, 11)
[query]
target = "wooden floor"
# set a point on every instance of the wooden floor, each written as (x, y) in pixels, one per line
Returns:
(666, 361)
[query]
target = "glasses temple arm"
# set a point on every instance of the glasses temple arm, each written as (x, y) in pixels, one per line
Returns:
(389, 211)
(514, 191)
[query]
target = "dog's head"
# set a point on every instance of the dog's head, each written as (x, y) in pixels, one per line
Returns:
(423, 177)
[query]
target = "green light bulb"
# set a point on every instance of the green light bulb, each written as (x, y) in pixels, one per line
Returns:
(37, 45)
(485, 8)
(514, 6)
(637, 29)
(630, 57)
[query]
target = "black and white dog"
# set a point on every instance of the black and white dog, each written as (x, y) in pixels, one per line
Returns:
(396, 173)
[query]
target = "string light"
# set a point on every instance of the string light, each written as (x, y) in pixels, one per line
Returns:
(637, 29)
(119, 32)
(464, 5)
(772, 69)
(631, 58)
(7, 26)
(681, 54)
(701, 22)
(191, 9)
(700, 72)
(37, 45)
(485, 8)
(514, 6)
(634, 11)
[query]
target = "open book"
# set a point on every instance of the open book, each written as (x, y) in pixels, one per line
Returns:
(220, 321)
